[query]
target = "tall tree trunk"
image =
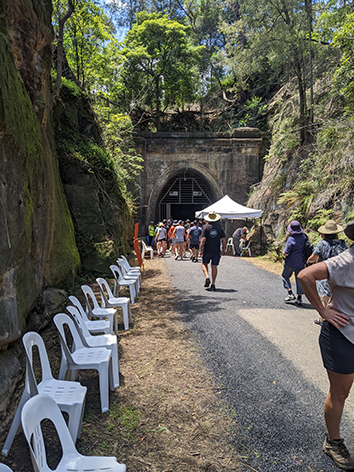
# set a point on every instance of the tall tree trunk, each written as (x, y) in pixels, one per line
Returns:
(241, 36)
(157, 87)
(62, 22)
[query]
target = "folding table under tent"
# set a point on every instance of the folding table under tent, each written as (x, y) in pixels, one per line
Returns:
(229, 209)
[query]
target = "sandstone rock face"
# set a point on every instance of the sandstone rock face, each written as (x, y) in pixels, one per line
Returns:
(37, 246)
(37, 243)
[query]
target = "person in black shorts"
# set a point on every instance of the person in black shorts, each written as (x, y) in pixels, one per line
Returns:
(194, 236)
(336, 340)
(209, 246)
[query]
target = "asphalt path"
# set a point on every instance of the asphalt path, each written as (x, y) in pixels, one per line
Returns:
(264, 356)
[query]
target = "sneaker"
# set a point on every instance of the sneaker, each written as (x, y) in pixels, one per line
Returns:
(339, 453)
(289, 298)
(162, 255)
(212, 288)
(176, 256)
(298, 301)
(207, 282)
(318, 321)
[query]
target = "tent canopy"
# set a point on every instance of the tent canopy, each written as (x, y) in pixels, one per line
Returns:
(229, 209)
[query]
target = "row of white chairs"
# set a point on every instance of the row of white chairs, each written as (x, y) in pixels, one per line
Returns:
(88, 351)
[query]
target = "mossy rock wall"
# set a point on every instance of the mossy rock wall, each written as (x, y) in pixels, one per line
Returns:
(102, 219)
(37, 244)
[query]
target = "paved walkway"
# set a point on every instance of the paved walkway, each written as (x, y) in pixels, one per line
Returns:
(265, 355)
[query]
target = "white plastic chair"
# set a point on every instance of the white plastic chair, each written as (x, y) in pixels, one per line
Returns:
(108, 300)
(104, 340)
(129, 267)
(146, 249)
(42, 407)
(245, 246)
(96, 311)
(129, 272)
(135, 277)
(120, 281)
(230, 244)
(83, 358)
(97, 326)
(5, 468)
(70, 396)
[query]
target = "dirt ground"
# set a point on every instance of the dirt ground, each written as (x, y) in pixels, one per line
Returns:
(166, 415)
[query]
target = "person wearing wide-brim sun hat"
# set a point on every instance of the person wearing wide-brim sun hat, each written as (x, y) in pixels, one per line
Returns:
(329, 246)
(336, 340)
(209, 245)
(294, 261)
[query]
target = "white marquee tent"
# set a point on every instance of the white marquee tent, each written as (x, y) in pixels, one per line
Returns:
(229, 209)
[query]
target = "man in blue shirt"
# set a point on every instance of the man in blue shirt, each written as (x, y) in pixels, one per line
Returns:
(294, 261)
(194, 233)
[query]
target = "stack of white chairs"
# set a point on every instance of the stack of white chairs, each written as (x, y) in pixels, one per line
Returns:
(94, 310)
(82, 358)
(134, 269)
(108, 300)
(108, 341)
(96, 326)
(120, 281)
(70, 396)
(42, 407)
(129, 274)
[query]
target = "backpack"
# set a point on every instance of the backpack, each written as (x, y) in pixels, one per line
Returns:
(336, 248)
(308, 248)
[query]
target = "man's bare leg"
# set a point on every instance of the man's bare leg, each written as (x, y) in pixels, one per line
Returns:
(205, 270)
(214, 273)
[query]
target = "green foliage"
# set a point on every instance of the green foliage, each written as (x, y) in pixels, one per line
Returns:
(253, 113)
(299, 199)
(159, 63)
(90, 45)
(71, 87)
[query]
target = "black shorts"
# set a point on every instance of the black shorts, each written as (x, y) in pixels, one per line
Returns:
(160, 240)
(336, 350)
(194, 246)
(214, 258)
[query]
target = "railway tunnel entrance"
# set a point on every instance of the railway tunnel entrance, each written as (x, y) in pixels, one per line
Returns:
(182, 195)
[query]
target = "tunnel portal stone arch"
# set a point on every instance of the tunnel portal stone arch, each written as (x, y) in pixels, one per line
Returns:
(199, 183)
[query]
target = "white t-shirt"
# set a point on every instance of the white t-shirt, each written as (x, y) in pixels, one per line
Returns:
(161, 233)
(179, 231)
(341, 281)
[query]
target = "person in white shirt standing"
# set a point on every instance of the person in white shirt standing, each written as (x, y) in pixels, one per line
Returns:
(161, 237)
(336, 340)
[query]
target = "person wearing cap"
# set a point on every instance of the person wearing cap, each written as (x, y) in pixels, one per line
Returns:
(329, 246)
(294, 261)
(239, 234)
(336, 340)
(209, 245)
(150, 234)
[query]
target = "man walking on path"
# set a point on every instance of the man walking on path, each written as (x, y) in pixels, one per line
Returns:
(239, 234)
(211, 237)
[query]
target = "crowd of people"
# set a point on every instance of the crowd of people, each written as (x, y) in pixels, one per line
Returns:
(202, 239)
(324, 273)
